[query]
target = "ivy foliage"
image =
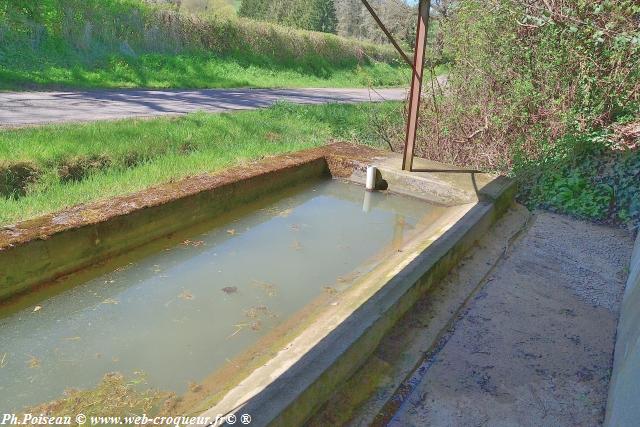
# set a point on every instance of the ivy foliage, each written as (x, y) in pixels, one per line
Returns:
(585, 175)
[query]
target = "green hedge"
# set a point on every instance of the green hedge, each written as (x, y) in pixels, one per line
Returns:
(90, 31)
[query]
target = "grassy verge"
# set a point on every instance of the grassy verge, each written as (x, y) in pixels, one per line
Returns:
(129, 43)
(194, 71)
(49, 168)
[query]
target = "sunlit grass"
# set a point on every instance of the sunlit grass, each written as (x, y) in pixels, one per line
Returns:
(197, 72)
(136, 154)
(138, 44)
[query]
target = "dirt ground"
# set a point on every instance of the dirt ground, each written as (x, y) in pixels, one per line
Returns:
(521, 333)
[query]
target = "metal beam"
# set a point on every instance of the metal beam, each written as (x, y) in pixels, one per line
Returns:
(417, 66)
(416, 84)
(387, 33)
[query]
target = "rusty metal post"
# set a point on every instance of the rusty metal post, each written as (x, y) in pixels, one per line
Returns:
(416, 84)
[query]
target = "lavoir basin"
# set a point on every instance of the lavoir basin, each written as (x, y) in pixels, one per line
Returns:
(185, 311)
(261, 288)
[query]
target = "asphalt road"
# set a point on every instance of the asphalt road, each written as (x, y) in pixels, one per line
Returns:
(19, 109)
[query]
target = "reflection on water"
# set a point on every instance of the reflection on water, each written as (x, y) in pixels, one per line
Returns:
(183, 312)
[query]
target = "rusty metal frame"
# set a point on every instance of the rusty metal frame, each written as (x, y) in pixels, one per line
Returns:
(417, 66)
(416, 84)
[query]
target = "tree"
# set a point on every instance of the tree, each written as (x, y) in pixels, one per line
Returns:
(324, 16)
(442, 8)
(355, 21)
(255, 9)
(315, 15)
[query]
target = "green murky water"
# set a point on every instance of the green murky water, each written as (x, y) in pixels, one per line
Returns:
(182, 311)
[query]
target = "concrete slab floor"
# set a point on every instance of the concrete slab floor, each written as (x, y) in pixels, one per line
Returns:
(531, 345)
(445, 183)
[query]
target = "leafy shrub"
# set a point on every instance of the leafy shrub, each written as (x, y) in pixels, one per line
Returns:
(530, 89)
(523, 73)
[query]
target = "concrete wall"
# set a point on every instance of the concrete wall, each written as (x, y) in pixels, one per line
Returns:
(623, 407)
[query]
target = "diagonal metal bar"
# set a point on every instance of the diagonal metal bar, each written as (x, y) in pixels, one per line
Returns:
(387, 33)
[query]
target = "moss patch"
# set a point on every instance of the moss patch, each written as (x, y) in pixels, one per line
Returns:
(15, 178)
(114, 396)
(78, 168)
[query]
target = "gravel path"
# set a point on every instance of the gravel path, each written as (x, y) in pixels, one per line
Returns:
(35, 108)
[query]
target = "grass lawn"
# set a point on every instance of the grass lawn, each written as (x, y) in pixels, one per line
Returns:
(193, 71)
(141, 44)
(48, 168)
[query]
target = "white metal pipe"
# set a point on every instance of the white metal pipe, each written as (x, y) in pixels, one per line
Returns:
(371, 178)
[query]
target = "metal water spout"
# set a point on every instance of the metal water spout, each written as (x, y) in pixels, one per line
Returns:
(370, 184)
